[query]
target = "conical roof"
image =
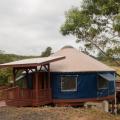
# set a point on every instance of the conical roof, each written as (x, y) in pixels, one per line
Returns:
(77, 61)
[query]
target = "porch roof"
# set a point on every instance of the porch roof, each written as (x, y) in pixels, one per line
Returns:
(33, 62)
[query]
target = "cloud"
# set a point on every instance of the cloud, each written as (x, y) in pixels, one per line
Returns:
(29, 26)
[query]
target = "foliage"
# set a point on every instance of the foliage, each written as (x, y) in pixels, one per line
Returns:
(47, 52)
(113, 60)
(114, 54)
(96, 24)
(11, 57)
(5, 76)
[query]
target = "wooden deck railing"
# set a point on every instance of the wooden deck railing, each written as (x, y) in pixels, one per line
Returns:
(26, 95)
(11, 93)
(3, 87)
(18, 93)
(2, 94)
(42, 94)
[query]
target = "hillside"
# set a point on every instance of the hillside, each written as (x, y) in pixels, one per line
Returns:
(54, 113)
(12, 57)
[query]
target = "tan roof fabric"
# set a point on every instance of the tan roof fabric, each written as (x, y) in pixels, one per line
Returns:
(32, 61)
(77, 61)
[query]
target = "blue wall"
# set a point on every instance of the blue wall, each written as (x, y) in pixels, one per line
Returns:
(86, 86)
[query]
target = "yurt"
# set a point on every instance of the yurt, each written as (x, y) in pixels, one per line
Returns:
(67, 77)
(80, 78)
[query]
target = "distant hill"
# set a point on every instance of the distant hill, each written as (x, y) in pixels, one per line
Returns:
(12, 57)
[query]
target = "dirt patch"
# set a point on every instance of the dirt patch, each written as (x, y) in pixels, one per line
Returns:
(54, 113)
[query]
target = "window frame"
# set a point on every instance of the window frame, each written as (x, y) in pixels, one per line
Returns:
(101, 88)
(70, 90)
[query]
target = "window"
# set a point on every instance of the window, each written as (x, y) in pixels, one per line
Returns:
(102, 83)
(68, 83)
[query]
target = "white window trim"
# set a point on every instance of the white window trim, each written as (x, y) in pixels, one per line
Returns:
(70, 90)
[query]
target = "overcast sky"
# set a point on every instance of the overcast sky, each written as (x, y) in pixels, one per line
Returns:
(27, 27)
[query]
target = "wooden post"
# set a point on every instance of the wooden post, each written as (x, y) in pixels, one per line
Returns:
(14, 77)
(26, 82)
(112, 106)
(49, 76)
(45, 81)
(49, 85)
(115, 111)
(36, 86)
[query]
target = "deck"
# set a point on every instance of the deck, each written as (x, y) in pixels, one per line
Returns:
(40, 92)
(16, 96)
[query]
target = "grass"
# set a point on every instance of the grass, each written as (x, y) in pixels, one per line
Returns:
(54, 113)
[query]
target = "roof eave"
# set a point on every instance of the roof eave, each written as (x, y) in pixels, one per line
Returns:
(31, 64)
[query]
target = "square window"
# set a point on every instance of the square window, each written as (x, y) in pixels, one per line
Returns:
(102, 83)
(68, 83)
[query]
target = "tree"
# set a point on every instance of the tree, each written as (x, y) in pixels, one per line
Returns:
(96, 24)
(47, 52)
(114, 56)
(5, 75)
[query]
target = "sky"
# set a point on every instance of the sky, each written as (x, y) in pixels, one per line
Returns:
(27, 27)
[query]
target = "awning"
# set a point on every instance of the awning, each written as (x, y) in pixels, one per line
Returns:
(33, 62)
(107, 76)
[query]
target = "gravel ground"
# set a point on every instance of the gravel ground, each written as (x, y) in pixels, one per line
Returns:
(53, 113)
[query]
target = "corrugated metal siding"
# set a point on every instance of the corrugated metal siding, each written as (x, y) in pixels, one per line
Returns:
(86, 87)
